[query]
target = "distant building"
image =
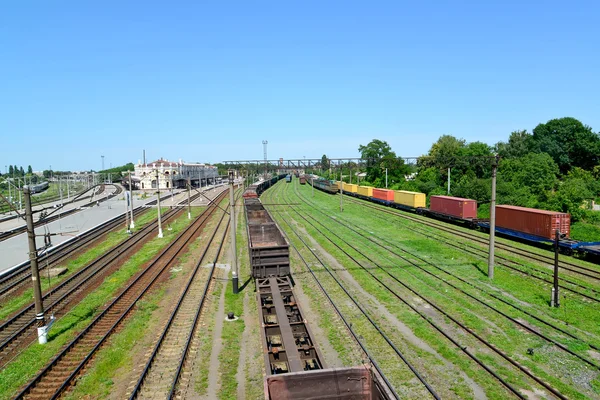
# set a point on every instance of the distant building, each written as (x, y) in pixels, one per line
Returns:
(174, 174)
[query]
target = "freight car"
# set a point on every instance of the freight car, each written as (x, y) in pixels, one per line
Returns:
(294, 365)
(450, 208)
(303, 180)
(464, 212)
(288, 178)
(268, 248)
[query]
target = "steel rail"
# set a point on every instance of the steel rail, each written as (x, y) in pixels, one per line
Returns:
(151, 274)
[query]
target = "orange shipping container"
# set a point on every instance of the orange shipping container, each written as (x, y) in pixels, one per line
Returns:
(383, 194)
(535, 222)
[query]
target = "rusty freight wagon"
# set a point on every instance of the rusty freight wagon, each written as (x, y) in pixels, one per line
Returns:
(531, 221)
(268, 248)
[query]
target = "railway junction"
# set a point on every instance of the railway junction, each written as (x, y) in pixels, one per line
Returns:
(368, 301)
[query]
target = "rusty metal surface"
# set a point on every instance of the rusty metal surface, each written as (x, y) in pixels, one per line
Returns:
(354, 383)
(287, 341)
(268, 248)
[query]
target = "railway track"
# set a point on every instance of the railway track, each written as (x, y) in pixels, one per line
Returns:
(388, 247)
(20, 329)
(369, 235)
(357, 304)
(14, 280)
(548, 260)
(61, 372)
(46, 220)
(505, 261)
(164, 369)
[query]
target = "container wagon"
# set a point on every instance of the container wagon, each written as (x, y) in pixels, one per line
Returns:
(453, 207)
(412, 200)
(350, 187)
(531, 221)
(383, 194)
(365, 191)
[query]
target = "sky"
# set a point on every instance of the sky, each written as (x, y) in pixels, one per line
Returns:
(209, 81)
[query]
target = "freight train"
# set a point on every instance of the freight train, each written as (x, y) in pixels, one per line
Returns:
(520, 223)
(293, 362)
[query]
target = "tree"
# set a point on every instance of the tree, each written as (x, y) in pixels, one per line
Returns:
(11, 170)
(569, 143)
(519, 144)
(324, 162)
(477, 157)
(21, 171)
(29, 170)
(444, 153)
(537, 171)
(373, 154)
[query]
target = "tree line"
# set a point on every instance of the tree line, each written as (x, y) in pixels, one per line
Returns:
(555, 167)
(15, 171)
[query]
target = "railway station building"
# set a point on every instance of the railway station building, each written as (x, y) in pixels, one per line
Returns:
(172, 174)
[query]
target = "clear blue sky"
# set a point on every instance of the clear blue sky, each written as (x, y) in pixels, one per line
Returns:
(208, 82)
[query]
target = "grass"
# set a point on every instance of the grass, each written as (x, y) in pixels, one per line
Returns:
(232, 332)
(26, 365)
(459, 306)
(112, 239)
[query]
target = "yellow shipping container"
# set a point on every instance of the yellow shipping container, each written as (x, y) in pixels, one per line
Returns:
(410, 199)
(349, 187)
(365, 191)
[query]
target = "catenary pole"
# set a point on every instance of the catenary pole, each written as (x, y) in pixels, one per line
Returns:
(33, 260)
(189, 187)
(234, 266)
(554, 301)
(160, 232)
(492, 219)
(132, 225)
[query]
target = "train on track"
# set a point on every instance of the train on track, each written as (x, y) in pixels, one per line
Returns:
(523, 224)
(39, 187)
(293, 362)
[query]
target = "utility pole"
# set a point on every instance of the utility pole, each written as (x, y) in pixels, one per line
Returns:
(102, 163)
(189, 185)
(448, 181)
(341, 191)
(132, 225)
(35, 273)
(492, 217)
(127, 212)
(264, 142)
(386, 178)
(160, 232)
(234, 269)
(554, 299)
